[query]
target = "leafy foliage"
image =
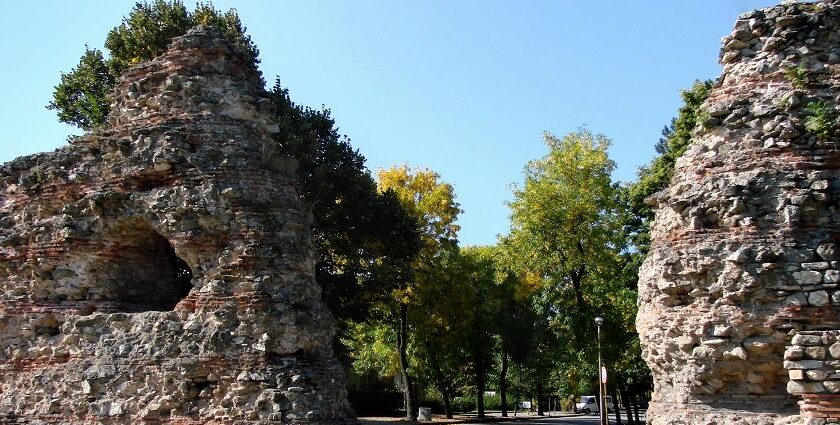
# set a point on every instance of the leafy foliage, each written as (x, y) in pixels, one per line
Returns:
(374, 347)
(655, 177)
(429, 200)
(565, 216)
(797, 76)
(819, 119)
(365, 239)
(80, 99)
(431, 203)
(146, 32)
(567, 234)
(149, 27)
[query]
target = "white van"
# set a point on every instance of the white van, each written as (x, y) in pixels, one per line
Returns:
(589, 404)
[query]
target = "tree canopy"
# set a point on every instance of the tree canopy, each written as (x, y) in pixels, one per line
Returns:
(80, 98)
(673, 143)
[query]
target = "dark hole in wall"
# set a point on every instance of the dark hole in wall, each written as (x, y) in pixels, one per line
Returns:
(140, 271)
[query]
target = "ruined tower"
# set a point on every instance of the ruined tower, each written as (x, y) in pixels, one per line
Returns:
(161, 269)
(739, 293)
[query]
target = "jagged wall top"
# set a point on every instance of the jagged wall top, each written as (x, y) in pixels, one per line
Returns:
(200, 75)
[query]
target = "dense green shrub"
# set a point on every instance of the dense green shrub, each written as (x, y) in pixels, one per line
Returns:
(465, 403)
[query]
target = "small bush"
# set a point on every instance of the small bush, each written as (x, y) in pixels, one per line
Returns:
(434, 403)
(797, 76)
(819, 119)
(493, 402)
(463, 404)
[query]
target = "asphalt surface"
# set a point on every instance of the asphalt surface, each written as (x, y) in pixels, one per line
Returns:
(570, 420)
(494, 418)
(565, 419)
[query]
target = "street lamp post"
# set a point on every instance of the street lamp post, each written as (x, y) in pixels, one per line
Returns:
(602, 405)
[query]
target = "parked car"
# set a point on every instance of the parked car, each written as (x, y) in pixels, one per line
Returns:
(589, 404)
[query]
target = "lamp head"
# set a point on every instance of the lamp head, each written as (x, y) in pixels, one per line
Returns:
(599, 321)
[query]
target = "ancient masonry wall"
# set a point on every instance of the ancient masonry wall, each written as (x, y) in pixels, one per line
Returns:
(745, 242)
(161, 270)
(813, 363)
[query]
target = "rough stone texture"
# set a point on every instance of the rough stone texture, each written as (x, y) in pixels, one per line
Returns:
(161, 270)
(816, 382)
(746, 235)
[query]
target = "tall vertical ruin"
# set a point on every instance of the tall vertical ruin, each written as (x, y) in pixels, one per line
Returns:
(161, 270)
(739, 293)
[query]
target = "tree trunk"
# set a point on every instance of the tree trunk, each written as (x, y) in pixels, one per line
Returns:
(479, 383)
(615, 404)
(628, 408)
(636, 407)
(441, 382)
(479, 401)
(447, 405)
(402, 347)
(577, 281)
(503, 382)
(539, 396)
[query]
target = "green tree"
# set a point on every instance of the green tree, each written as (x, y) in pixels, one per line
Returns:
(432, 203)
(458, 305)
(441, 307)
(566, 231)
(655, 176)
(513, 324)
(80, 99)
(365, 239)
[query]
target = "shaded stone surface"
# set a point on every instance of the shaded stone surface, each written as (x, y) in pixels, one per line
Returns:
(161, 269)
(746, 235)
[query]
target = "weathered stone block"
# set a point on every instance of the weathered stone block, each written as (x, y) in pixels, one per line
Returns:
(735, 353)
(807, 277)
(816, 353)
(794, 353)
(796, 374)
(801, 387)
(798, 299)
(815, 375)
(806, 340)
(803, 364)
(822, 265)
(832, 386)
(819, 298)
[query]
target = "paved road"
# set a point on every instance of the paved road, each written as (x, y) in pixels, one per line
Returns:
(566, 420)
(570, 420)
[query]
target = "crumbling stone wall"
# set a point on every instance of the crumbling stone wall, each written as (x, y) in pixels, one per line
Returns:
(812, 361)
(745, 242)
(161, 269)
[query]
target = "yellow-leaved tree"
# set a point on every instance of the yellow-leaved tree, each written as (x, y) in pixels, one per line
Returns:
(432, 203)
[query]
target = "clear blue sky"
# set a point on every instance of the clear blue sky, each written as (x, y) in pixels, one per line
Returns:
(465, 88)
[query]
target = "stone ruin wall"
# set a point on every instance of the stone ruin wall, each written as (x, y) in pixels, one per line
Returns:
(161, 270)
(812, 361)
(745, 243)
